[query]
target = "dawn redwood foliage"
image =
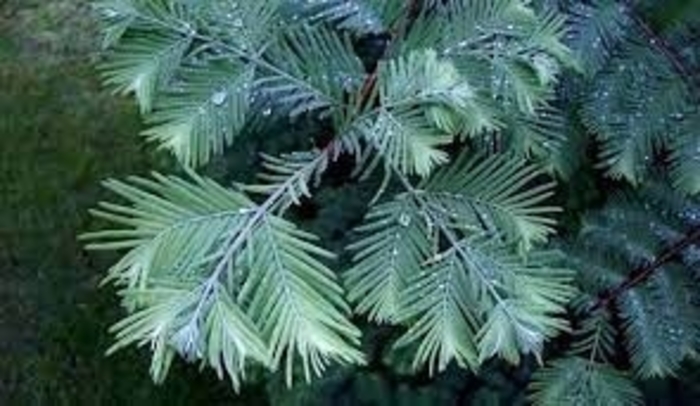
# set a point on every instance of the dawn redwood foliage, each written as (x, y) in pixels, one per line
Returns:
(474, 122)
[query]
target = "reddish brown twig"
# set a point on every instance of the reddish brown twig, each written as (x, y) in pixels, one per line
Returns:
(660, 44)
(640, 275)
(396, 34)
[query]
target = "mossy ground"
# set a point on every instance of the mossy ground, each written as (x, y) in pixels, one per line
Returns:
(61, 133)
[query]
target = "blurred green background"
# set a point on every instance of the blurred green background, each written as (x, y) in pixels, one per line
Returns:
(61, 133)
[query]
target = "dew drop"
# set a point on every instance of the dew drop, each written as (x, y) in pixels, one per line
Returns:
(218, 98)
(110, 13)
(404, 220)
(267, 112)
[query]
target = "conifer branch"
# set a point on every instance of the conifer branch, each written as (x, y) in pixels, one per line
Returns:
(457, 246)
(643, 273)
(367, 88)
(660, 44)
(446, 257)
(257, 216)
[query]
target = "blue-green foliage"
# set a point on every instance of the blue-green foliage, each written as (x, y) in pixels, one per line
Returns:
(651, 238)
(460, 120)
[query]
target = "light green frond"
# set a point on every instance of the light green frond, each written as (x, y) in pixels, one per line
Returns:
(528, 299)
(352, 15)
(201, 50)
(442, 312)
(405, 139)
(389, 256)
(247, 26)
(521, 51)
(545, 40)
(578, 382)
(163, 311)
(541, 136)
(501, 195)
(146, 15)
(116, 17)
(161, 360)
(305, 168)
(316, 68)
(424, 79)
(169, 320)
(172, 228)
(296, 300)
(479, 300)
(518, 83)
(468, 17)
(204, 115)
(143, 64)
(149, 41)
(595, 337)
(231, 338)
(510, 330)
(212, 243)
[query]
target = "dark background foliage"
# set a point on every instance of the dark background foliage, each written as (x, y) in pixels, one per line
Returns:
(61, 133)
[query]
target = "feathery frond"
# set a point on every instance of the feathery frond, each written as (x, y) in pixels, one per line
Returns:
(443, 315)
(499, 195)
(352, 15)
(597, 29)
(576, 381)
(303, 168)
(479, 300)
(660, 323)
(315, 68)
(206, 112)
(635, 108)
(404, 135)
(541, 136)
(387, 259)
(218, 245)
(471, 106)
(424, 79)
(295, 300)
(685, 158)
(617, 263)
(405, 139)
(519, 52)
(595, 337)
(145, 64)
